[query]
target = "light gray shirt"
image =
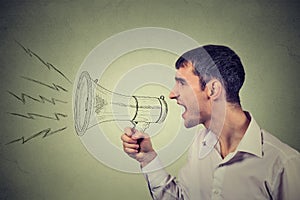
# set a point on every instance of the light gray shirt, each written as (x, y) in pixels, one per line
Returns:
(261, 167)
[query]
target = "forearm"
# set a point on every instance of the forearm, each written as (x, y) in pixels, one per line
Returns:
(168, 189)
(161, 184)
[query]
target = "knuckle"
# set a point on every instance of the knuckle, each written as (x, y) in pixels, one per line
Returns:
(125, 145)
(126, 150)
(122, 137)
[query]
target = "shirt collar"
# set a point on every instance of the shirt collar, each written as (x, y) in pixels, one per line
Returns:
(250, 143)
(252, 140)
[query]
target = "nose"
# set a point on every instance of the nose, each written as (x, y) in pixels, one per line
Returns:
(173, 95)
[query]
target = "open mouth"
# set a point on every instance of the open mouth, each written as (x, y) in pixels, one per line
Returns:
(183, 108)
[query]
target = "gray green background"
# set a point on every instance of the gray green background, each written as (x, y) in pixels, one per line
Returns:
(264, 33)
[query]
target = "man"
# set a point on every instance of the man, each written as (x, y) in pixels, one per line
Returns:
(232, 158)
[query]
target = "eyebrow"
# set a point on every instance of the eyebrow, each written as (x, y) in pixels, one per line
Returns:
(180, 80)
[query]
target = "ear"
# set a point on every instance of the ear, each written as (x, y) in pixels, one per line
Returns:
(214, 89)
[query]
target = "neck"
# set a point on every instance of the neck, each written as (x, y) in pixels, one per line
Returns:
(231, 128)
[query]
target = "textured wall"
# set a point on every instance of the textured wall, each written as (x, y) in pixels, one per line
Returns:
(264, 34)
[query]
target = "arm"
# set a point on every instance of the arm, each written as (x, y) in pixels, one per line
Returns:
(161, 185)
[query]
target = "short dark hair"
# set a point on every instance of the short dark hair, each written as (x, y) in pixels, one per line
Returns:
(216, 61)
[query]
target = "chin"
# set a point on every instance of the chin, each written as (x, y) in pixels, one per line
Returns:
(190, 124)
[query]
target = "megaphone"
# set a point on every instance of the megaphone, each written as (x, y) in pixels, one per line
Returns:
(95, 104)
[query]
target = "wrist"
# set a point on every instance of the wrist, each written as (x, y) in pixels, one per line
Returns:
(148, 158)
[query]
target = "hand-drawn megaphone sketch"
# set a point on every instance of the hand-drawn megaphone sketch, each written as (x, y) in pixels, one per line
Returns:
(95, 104)
(119, 84)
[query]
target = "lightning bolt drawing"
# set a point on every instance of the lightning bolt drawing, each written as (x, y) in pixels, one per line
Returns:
(41, 99)
(34, 115)
(53, 86)
(46, 64)
(45, 133)
(24, 98)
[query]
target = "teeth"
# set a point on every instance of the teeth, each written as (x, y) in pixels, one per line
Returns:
(183, 108)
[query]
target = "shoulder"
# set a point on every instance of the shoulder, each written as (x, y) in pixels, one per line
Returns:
(272, 143)
(282, 175)
(277, 152)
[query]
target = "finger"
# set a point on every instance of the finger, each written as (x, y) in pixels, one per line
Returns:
(130, 151)
(131, 146)
(128, 131)
(128, 139)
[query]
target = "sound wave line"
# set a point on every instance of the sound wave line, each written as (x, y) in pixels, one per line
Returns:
(46, 132)
(42, 99)
(53, 86)
(47, 64)
(34, 115)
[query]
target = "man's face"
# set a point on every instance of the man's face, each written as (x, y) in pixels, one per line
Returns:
(188, 93)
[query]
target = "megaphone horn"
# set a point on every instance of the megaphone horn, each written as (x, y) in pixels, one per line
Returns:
(95, 104)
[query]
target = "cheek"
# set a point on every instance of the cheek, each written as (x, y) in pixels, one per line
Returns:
(193, 95)
(203, 103)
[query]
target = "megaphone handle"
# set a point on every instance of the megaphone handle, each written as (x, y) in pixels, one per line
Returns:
(139, 143)
(138, 140)
(141, 129)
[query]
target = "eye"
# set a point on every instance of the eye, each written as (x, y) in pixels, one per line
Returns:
(182, 83)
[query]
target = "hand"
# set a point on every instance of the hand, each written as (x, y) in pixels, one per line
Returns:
(138, 146)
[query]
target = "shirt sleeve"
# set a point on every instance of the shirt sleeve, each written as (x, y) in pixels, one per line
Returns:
(162, 185)
(287, 185)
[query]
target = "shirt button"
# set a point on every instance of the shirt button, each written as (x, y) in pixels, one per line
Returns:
(216, 192)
